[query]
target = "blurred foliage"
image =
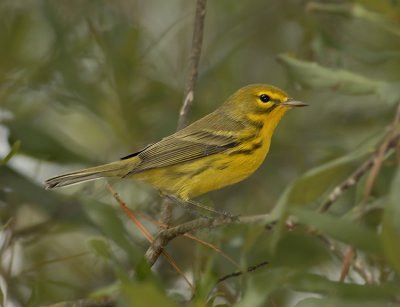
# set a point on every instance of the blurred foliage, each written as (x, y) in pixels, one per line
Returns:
(85, 82)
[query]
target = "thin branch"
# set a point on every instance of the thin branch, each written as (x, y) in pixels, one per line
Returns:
(165, 236)
(349, 257)
(250, 269)
(193, 63)
(357, 265)
(166, 212)
(194, 238)
(194, 59)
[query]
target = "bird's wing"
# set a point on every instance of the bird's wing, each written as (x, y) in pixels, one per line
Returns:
(184, 146)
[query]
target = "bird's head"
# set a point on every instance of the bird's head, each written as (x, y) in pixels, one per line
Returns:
(262, 99)
(260, 103)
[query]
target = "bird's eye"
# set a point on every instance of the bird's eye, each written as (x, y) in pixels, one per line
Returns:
(264, 98)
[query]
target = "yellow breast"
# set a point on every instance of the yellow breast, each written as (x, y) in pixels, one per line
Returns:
(226, 169)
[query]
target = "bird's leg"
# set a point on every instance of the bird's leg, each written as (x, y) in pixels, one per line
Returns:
(179, 201)
(224, 214)
(187, 203)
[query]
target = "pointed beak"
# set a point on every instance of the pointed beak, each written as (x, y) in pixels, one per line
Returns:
(290, 102)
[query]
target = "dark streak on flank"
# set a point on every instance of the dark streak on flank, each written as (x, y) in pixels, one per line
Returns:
(248, 151)
(176, 174)
(222, 167)
(199, 171)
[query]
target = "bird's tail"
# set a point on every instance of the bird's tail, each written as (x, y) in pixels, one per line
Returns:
(114, 169)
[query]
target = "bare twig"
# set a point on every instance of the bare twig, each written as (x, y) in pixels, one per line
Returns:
(166, 212)
(357, 265)
(193, 62)
(249, 269)
(346, 263)
(166, 207)
(194, 238)
(165, 236)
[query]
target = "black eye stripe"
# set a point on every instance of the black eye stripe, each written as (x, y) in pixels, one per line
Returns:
(264, 98)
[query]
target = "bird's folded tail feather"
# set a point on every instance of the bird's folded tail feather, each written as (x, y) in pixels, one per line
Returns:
(114, 169)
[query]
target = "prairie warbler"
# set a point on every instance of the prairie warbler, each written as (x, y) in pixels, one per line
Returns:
(220, 149)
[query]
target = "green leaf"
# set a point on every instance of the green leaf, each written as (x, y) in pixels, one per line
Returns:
(391, 225)
(38, 143)
(299, 251)
(279, 214)
(317, 181)
(56, 205)
(341, 229)
(109, 290)
(34, 297)
(101, 248)
(389, 92)
(107, 221)
(144, 294)
(313, 75)
(256, 293)
(14, 149)
(319, 284)
(357, 11)
(333, 302)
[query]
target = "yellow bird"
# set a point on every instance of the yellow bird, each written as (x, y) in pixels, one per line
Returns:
(220, 149)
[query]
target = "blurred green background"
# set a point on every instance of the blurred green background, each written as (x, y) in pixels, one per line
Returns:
(87, 82)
